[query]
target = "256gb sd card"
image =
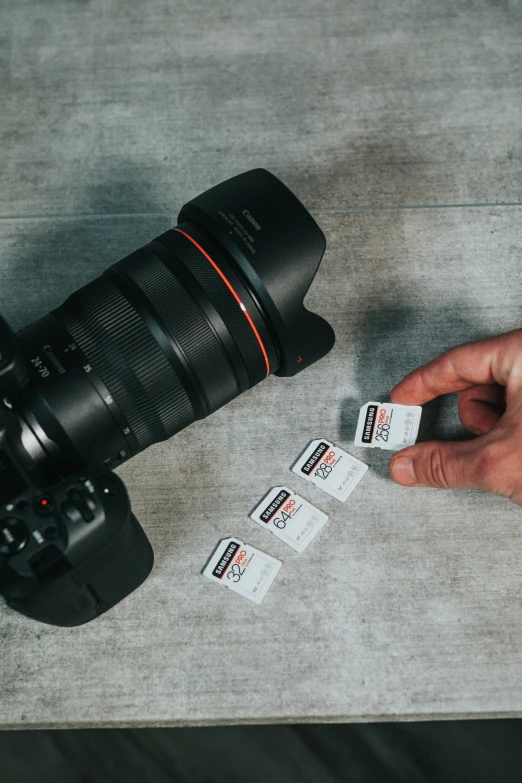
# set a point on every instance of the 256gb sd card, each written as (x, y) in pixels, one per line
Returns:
(386, 425)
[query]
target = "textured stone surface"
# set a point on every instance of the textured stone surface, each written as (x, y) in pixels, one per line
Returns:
(408, 603)
(117, 107)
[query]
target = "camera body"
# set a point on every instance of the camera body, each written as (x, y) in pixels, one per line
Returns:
(69, 550)
(73, 551)
(162, 338)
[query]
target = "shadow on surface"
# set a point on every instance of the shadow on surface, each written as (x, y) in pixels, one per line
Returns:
(394, 333)
(440, 752)
(49, 258)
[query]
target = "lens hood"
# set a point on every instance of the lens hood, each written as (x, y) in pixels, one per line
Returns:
(277, 247)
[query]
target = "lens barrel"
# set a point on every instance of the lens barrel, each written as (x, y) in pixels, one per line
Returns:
(180, 327)
(167, 336)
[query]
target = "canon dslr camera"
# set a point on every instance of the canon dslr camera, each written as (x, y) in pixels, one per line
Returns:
(164, 337)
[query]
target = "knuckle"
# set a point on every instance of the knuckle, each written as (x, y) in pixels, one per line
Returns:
(436, 470)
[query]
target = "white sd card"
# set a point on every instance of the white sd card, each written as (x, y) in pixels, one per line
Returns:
(242, 568)
(289, 517)
(330, 468)
(385, 425)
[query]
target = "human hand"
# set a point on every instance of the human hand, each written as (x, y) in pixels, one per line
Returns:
(488, 378)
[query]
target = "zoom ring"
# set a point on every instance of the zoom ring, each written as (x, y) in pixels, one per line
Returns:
(186, 324)
(128, 359)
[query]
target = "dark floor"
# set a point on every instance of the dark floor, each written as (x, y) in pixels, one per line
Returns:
(445, 752)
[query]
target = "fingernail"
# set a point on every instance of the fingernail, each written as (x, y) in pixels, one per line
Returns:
(403, 471)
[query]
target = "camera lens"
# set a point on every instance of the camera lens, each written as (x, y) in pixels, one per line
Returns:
(180, 327)
(171, 333)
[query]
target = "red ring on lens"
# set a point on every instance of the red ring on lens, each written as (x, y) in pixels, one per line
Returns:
(234, 294)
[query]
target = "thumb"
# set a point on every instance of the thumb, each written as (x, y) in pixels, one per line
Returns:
(442, 464)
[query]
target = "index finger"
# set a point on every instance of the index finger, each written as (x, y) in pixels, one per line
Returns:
(486, 361)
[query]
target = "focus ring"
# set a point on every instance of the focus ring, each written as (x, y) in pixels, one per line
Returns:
(186, 324)
(129, 361)
(222, 299)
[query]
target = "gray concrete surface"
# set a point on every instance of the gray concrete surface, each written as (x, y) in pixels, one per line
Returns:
(398, 125)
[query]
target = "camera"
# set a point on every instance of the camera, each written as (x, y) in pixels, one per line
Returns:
(164, 337)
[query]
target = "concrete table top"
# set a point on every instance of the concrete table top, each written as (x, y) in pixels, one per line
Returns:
(399, 127)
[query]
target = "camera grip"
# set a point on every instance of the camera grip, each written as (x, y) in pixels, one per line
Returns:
(88, 590)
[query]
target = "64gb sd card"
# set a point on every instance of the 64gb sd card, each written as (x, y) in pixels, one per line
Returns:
(289, 517)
